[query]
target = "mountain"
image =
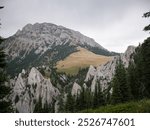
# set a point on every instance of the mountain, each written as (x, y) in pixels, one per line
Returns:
(40, 44)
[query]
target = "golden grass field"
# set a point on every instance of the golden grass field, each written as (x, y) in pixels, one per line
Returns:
(80, 59)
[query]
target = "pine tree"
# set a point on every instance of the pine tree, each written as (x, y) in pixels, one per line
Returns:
(95, 98)
(81, 100)
(61, 104)
(121, 91)
(46, 109)
(70, 103)
(101, 99)
(88, 98)
(77, 103)
(5, 103)
(139, 70)
(146, 65)
(138, 60)
(142, 61)
(132, 82)
(116, 95)
(122, 78)
(98, 99)
(84, 100)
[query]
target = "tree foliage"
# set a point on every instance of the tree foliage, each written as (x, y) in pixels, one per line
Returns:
(47, 108)
(121, 91)
(141, 70)
(70, 103)
(5, 103)
(146, 15)
(98, 99)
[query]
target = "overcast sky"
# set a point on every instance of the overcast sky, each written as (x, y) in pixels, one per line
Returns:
(114, 24)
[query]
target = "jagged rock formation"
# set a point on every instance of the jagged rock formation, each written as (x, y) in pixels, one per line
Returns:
(91, 73)
(104, 73)
(76, 89)
(29, 88)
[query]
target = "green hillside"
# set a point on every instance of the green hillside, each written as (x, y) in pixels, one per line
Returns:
(142, 106)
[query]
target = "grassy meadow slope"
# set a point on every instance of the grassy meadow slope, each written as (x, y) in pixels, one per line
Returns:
(142, 106)
(80, 59)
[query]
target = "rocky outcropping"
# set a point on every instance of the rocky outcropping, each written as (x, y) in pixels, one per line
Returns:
(76, 89)
(105, 72)
(29, 88)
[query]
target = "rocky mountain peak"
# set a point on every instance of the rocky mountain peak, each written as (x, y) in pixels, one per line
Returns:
(51, 32)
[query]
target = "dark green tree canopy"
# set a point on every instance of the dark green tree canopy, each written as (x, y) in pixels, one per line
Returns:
(146, 15)
(5, 103)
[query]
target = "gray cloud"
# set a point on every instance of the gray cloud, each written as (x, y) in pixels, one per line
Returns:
(114, 24)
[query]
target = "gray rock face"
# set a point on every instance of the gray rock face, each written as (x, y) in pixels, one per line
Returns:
(39, 38)
(76, 89)
(91, 73)
(105, 72)
(29, 88)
